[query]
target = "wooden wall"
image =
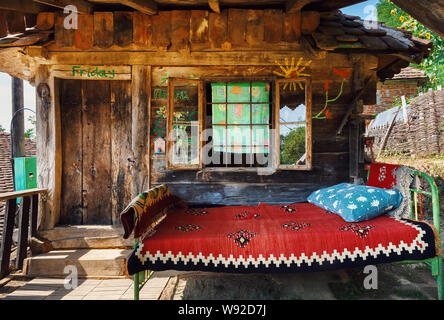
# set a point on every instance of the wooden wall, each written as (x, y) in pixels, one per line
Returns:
(149, 56)
(331, 161)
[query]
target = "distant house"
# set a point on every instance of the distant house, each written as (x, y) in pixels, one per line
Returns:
(6, 183)
(405, 83)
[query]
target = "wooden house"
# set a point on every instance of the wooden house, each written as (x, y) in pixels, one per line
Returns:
(113, 76)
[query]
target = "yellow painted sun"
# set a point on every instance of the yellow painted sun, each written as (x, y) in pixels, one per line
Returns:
(292, 70)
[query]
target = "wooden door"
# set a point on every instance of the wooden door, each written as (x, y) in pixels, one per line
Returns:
(96, 146)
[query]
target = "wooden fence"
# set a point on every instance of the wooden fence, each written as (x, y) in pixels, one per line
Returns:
(421, 135)
(27, 226)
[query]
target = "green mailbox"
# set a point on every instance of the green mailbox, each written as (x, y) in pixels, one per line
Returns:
(25, 171)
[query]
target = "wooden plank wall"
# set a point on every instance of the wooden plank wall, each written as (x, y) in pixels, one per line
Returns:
(187, 30)
(330, 152)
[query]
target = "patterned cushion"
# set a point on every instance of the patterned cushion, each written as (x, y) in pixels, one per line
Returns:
(355, 203)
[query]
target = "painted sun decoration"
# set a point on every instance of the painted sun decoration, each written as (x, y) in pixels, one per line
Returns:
(292, 70)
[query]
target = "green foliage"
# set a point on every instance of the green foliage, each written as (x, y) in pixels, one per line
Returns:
(394, 17)
(293, 146)
(2, 129)
(30, 133)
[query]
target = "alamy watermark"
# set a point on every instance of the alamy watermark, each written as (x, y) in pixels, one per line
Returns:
(72, 280)
(371, 281)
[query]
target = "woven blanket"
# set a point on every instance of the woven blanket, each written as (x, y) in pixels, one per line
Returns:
(277, 238)
(147, 210)
(391, 176)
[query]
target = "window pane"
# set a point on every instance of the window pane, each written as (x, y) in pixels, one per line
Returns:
(260, 92)
(238, 92)
(219, 138)
(260, 114)
(261, 135)
(237, 137)
(292, 102)
(238, 113)
(292, 144)
(185, 124)
(219, 113)
(185, 144)
(218, 92)
(298, 114)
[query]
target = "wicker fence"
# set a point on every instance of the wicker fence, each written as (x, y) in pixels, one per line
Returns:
(423, 132)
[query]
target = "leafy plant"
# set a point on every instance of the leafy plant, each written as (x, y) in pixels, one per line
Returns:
(30, 133)
(293, 146)
(433, 66)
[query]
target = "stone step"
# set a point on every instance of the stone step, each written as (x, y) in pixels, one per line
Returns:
(89, 263)
(87, 237)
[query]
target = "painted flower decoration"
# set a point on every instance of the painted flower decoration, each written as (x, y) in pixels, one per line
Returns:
(327, 85)
(328, 115)
(344, 73)
(393, 12)
(162, 111)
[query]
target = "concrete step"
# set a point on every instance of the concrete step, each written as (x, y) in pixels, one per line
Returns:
(89, 263)
(87, 237)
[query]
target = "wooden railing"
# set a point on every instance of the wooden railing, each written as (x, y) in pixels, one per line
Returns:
(28, 212)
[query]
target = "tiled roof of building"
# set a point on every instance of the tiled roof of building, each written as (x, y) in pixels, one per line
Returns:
(410, 73)
(6, 183)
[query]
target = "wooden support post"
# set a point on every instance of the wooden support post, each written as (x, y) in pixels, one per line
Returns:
(22, 246)
(141, 100)
(48, 147)
(353, 133)
(18, 122)
(8, 228)
(34, 215)
(387, 134)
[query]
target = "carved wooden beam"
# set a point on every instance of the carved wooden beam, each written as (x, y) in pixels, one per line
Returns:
(81, 5)
(214, 5)
(144, 6)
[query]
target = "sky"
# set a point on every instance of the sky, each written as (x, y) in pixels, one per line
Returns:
(29, 91)
(6, 101)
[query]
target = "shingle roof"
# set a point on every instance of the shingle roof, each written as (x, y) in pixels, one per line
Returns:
(338, 32)
(6, 183)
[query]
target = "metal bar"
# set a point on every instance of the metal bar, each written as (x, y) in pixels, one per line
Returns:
(22, 246)
(8, 228)
(416, 205)
(422, 192)
(136, 275)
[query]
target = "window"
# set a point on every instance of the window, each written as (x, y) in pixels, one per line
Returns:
(293, 124)
(184, 123)
(238, 125)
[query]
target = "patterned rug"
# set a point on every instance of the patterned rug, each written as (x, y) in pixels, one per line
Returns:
(277, 238)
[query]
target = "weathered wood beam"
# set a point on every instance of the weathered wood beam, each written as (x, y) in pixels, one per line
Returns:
(214, 5)
(296, 5)
(24, 6)
(141, 96)
(144, 6)
(81, 5)
(227, 58)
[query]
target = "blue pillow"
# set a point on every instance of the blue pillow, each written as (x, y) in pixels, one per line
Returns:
(355, 203)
